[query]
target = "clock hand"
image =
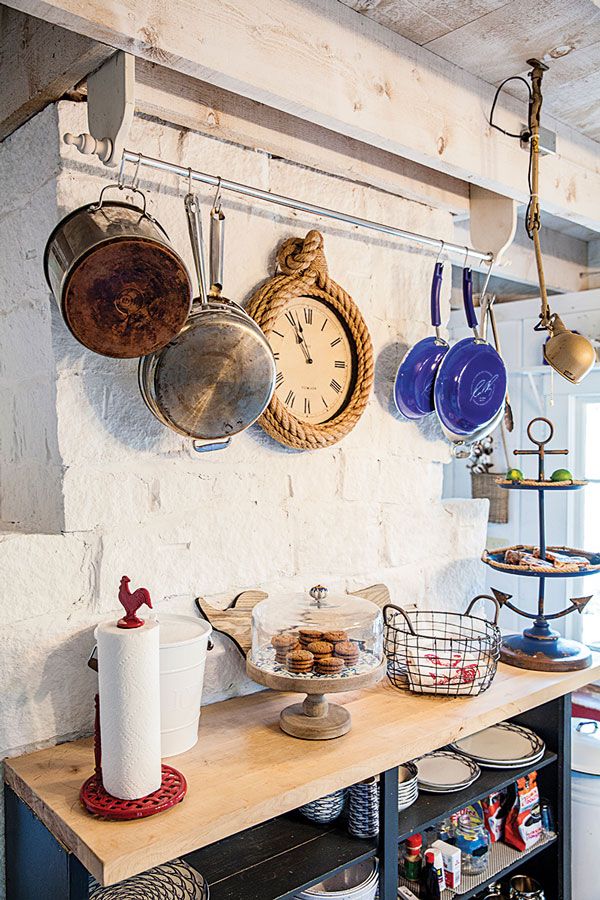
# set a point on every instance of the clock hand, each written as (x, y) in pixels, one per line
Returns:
(302, 339)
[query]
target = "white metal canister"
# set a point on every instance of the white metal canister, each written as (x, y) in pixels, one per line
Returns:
(585, 807)
(183, 646)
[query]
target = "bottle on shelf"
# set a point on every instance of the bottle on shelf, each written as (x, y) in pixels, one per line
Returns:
(473, 841)
(413, 857)
(430, 884)
(447, 829)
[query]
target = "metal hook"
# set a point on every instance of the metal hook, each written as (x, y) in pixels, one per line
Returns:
(467, 251)
(487, 279)
(217, 201)
(136, 174)
(189, 179)
(439, 256)
(121, 176)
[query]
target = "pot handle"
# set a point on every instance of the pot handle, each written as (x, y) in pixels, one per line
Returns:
(484, 597)
(192, 208)
(207, 446)
(119, 187)
(217, 242)
(436, 286)
(398, 609)
(467, 289)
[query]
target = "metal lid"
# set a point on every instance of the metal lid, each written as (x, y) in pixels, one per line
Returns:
(585, 753)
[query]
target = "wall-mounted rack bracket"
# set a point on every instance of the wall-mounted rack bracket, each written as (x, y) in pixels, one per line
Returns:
(493, 220)
(110, 106)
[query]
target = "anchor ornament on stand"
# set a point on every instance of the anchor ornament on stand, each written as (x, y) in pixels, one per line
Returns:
(539, 646)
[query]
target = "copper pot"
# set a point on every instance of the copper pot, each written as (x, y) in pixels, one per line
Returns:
(122, 289)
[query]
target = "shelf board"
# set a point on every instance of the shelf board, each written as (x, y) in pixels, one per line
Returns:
(278, 858)
(503, 861)
(429, 809)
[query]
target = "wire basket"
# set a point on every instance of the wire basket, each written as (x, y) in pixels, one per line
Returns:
(446, 653)
(484, 487)
(325, 809)
(363, 809)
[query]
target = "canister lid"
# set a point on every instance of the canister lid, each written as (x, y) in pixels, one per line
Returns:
(585, 754)
(176, 630)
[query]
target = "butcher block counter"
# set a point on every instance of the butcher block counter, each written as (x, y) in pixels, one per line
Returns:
(244, 770)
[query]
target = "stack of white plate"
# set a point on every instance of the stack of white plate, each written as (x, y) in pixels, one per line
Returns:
(358, 882)
(408, 789)
(502, 746)
(444, 772)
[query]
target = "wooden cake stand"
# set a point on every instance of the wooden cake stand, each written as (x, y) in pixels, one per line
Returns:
(315, 719)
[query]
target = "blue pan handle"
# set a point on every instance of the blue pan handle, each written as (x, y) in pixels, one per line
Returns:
(467, 288)
(436, 286)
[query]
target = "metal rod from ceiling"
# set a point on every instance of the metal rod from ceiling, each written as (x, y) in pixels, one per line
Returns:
(139, 160)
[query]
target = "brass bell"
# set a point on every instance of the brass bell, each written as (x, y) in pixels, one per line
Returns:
(570, 354)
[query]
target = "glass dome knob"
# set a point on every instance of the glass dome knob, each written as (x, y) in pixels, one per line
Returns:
(318, 593)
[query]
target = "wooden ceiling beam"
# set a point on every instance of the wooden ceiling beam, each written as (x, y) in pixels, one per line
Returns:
(323, 63)
(39, 62)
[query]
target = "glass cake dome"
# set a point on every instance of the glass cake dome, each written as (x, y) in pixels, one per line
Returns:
(317, 634)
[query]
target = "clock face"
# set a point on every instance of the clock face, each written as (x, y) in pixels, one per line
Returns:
(314, 360)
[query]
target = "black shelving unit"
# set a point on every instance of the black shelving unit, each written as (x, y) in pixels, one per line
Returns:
(275, 860)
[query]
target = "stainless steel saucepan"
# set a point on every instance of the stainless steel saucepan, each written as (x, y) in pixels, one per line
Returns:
(218, 375)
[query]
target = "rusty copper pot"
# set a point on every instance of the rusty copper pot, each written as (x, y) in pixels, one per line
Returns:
(122, 289)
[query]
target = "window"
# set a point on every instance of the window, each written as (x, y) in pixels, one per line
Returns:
(587, 520)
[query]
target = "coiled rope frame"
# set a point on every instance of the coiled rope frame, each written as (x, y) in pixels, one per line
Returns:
(304, 274)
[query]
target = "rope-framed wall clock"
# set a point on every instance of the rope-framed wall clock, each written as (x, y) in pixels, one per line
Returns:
(322, 348)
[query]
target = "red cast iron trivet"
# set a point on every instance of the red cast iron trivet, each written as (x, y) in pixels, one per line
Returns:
(100, 803)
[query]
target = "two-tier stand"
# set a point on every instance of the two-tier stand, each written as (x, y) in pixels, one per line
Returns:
(539, 646)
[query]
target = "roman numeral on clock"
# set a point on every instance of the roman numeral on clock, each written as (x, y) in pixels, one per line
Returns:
(308, 314)
(340, 364)
(279, 379)
(337, 341)
(306, 406)
(289, 400)
(336, 387)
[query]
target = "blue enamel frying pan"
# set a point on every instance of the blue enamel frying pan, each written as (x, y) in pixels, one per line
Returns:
(470, 384)
(413, 389)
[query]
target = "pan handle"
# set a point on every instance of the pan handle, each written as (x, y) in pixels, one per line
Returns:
(192, 208)
(207, 446)
(217, 239)
(436, 286)
(484, 597)
(467, 289)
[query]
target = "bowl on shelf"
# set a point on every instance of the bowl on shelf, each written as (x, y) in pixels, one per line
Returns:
(358, 882)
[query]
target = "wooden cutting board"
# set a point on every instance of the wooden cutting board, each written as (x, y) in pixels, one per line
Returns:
(235, 621)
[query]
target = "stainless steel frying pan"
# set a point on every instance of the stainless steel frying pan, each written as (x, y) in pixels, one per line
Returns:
(218, 375)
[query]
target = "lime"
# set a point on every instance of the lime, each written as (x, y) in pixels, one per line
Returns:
(561, 475)
(514, 475)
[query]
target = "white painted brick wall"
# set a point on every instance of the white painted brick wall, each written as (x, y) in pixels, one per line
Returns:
(92, 486)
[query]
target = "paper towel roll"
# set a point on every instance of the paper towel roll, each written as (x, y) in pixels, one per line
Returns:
(129, 688)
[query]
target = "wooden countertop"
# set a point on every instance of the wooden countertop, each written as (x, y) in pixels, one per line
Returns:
(245, 770)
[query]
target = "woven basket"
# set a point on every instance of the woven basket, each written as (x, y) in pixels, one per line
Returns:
(484, 487)
(175, 879)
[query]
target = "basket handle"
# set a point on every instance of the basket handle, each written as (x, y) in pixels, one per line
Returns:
(484, 597)
(402, 613)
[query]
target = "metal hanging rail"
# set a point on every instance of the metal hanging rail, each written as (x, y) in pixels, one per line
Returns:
(279, 200)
